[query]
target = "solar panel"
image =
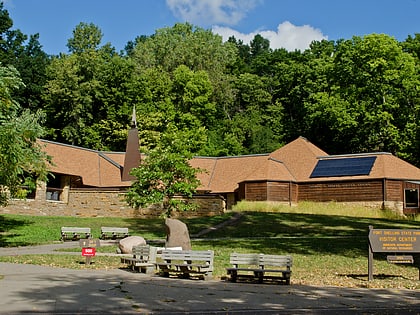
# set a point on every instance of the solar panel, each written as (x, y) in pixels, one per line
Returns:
(343, 167)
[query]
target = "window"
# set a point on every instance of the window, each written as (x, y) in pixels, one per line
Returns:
(411, 197)
(54, 188)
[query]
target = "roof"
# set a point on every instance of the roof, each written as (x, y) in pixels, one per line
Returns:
(95, 168)
(223, 174)
(294, 162)
(300, 156)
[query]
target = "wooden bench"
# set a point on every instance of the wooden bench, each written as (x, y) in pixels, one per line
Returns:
(143, 260)
(186, 262)
(75, 233)
(260, 267)
(113, 232)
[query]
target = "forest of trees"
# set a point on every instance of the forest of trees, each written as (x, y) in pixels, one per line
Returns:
(213, 98)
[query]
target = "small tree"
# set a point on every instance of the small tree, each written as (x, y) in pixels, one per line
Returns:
(22, 160)
(162, 176)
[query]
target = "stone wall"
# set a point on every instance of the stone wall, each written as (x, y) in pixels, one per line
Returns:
(105, 203)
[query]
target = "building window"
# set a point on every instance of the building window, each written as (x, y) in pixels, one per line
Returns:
(411, 197)
(54, 188)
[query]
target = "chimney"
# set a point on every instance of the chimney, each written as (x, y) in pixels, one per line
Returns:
(132, 150)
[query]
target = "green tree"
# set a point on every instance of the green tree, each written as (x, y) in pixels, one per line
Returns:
(89, 92)
(22, 160)
(27, 57)
(165, 178)
(195, 48)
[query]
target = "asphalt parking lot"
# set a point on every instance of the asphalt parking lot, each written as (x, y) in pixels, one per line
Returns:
(32, 289)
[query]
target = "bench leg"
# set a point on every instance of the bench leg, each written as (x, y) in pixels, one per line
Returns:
(287, 277)
(233, 276)
(259, 275)
(208, 276)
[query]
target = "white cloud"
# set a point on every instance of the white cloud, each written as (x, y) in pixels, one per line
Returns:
(287, 36)
(211, 12)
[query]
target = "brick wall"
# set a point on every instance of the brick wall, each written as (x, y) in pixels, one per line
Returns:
(109, 203)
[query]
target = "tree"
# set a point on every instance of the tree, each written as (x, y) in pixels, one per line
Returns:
(89, 93)
(166, 178)
(85, 37)
(27, 57)
(22, 160)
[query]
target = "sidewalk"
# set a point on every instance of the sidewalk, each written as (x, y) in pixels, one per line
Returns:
(33, 289)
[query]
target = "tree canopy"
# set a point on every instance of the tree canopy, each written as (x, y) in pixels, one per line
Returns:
(222, 98)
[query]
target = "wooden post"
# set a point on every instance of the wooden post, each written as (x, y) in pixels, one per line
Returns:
(370, 259)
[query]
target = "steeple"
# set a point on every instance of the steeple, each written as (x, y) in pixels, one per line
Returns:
(134, 118)
(132, 150)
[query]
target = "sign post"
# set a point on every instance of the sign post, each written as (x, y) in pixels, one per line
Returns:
(395, 241)
(89, 248)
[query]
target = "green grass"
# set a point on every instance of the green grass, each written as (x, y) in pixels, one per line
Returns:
(328, 242)
(19, 230)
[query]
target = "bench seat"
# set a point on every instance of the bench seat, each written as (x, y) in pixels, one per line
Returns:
(184, 263)
(143, 260)
(260, 267)
(108, 232)
(75, 233)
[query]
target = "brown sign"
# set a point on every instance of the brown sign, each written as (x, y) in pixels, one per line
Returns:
(394, 241)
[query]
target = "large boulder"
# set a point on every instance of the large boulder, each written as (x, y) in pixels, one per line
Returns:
(126, 244)
(177, 234)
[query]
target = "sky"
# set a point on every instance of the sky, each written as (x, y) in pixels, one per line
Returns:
(290, 24)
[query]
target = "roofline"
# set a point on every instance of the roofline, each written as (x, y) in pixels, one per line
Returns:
(345, 178)
(102, 155)
(230, 157)
(80, 148)
(352, 155)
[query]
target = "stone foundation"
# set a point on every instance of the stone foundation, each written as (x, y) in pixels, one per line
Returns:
(109, 203)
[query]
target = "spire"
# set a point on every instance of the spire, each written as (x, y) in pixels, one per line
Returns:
(134, 118)
(132, 150)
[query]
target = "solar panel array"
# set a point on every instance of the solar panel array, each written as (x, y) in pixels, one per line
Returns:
(354, 166)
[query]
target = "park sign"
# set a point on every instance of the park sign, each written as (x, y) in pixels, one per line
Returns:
(394, 240)
(399, 242)
(89, 248)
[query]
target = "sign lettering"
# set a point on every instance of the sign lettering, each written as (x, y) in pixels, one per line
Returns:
(88, 251)
(394, 240)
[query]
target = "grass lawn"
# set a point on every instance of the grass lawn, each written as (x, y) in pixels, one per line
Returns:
(329, 242)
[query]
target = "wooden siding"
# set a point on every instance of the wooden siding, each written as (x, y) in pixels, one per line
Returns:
(394, 190)
(278, 191)
(255, 191)
(268, 191)
(342, 191)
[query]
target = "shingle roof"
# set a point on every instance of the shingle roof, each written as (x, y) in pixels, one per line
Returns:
(96, 168)
(300, 157)
(223, 174)
(386, 166)
(293, 162)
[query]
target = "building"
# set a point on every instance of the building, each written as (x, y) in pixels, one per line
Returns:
(93, 183)
(300, 171)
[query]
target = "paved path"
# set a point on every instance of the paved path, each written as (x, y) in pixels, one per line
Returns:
(46, 290)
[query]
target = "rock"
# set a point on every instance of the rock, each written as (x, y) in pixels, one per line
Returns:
(177, 234)
(126, 244)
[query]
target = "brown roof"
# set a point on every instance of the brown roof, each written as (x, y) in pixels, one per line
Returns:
(300, 157)
(293, 162)
(95, 168)
(386, 166)
(223, 174)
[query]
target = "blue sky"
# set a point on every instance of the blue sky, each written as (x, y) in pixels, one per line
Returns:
(291, 24)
